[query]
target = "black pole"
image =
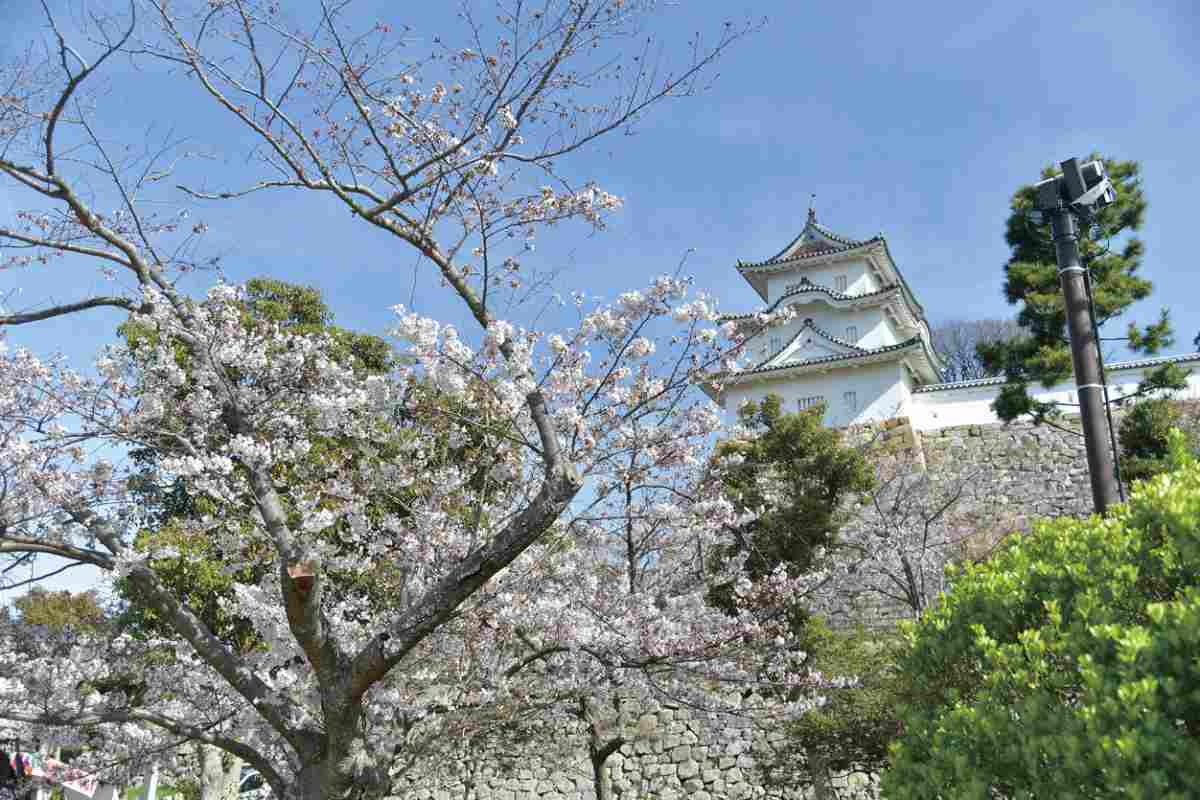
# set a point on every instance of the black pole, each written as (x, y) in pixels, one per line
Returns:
(1085, 354)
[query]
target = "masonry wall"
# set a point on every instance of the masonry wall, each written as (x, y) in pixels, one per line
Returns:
(672, 753)
(1022, 472)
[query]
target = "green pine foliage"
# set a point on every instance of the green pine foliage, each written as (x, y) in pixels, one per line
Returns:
(1143, 435)
(1042, 354)
(798, 471)
(1065, 666)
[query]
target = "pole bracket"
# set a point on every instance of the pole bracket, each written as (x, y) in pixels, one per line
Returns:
(1079, 386)
(1072, 269)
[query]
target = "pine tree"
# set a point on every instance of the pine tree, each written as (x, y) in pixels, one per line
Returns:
(797, 472)
(1113, 257)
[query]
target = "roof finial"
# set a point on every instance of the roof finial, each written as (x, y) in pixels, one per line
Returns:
(812, 212)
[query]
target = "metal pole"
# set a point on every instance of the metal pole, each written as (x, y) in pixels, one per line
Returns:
(1085, 354)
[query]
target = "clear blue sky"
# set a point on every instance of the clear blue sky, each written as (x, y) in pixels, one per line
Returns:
(917, 120)
(914, 119)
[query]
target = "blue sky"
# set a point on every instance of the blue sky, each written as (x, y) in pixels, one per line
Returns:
(914, 119)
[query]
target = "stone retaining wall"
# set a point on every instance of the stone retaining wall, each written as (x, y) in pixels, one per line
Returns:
(671, 753)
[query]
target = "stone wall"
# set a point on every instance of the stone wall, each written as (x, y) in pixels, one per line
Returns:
(1019, 472)
(672, 753)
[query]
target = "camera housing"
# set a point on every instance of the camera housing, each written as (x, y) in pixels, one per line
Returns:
(1083, 188)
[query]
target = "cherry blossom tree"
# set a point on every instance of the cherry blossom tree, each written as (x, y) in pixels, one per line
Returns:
(892, 551)
(499, 594)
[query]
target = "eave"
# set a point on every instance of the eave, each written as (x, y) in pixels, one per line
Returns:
(813, 291)
(756, 273)
(1119, 366)
(915, 347)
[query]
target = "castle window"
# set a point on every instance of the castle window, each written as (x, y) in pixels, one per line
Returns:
(839, 283)
(851, 333)
(776, 343)
(851, 400)
(806, 403)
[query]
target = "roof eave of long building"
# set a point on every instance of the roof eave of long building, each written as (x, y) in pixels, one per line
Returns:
(1119, 366)
(844, 360)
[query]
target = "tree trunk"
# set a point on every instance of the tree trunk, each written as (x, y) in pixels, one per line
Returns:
(603, 787)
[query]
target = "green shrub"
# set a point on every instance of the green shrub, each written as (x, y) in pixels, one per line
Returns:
(1068, 665)
(855, 726)
(1143, 436)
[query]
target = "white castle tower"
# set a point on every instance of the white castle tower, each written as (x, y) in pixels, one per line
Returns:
(860, 344)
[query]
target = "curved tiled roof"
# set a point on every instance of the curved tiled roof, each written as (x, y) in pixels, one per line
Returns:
(832, 358)
(1115, 367)
(812, 224)
(809, 287)
(808, 253)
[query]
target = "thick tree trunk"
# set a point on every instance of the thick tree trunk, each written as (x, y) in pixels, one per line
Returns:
(603, 786)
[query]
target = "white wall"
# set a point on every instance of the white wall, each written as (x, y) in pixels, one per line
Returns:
(857, 277)
(972, 406)
(880, 390)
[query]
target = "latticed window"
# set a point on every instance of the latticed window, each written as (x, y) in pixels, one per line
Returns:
(839, 283)
(776, 343)
(851, 400)
(806, 403)
(851, 333)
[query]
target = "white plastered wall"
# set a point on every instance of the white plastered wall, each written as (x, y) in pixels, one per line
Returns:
(858, 280)
(947, 408)
(879, 389)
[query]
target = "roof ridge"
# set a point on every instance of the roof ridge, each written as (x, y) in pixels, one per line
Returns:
(1115, 366)
(814, 287)
(779, 259)
(812, 224)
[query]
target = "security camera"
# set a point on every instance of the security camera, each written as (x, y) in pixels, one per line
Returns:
(1083, 188)
(1088, 186)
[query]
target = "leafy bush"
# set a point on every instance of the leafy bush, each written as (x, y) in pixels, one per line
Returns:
(1066, 666)
(856, 724)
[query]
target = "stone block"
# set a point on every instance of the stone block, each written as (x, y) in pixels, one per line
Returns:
(681, 753)
(687, 769)
(693, 785)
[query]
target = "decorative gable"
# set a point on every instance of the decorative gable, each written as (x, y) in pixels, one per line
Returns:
(809, 343)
